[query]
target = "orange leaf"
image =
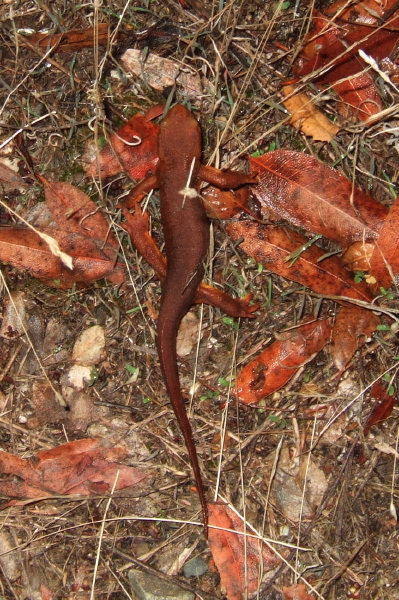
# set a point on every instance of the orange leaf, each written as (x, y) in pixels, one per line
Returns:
(297, 591)
(384, 262)
(311, 195)
(275, 366)
(70, 41)
(306, 117)
(121, 155)
(239, 559)
(26, 250)
(222, 204)
(82, 467)
(271, 246)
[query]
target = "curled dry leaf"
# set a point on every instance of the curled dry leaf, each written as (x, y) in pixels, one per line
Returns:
(69, 41)
(239, 559)
(271, 246)
(89, 348)
(280, 361)
(318, 198)
(298, 484)
(358, 255)
(14, 323)
(352, 327)
(187, 335)
(306, 117)
(132, 149)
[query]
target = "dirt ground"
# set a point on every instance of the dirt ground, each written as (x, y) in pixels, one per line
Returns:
(345, 544)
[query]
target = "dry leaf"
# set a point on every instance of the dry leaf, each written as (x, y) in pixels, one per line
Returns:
(274, 367)
(352, 327)
(161, 73)
(89, 348)
(82, 467)
(239, 560)
(306, 117)
(273, 247)
(318, 198)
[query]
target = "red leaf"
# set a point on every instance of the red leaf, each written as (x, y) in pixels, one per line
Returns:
(280, 361)
(120, 155)
(361, 94)
(357, 26)
(311, 195)
(82, 467)
(238, 558)
(271, 246)
(331, 49)
(382, 408)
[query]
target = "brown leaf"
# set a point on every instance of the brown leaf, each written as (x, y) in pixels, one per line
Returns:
(311, 195)
(25, 250)
(384, 262)
(239, 559)
(271, 246)
(120, 155)
(10, 178)
(352, 327)
(306, 117)
(73, 211)
(275, 366)
(82, 467)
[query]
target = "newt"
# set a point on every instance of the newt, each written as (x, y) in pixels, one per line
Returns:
(185, 224)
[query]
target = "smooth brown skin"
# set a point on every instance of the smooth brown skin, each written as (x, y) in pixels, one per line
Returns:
(186, 235)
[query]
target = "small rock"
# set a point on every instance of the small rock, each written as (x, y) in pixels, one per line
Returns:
(195, 567)
(149, 587)
(89, 348)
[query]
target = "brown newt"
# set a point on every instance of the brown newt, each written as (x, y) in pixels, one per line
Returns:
(186, 234)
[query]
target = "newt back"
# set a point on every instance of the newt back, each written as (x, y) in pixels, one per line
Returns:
(186, 234)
